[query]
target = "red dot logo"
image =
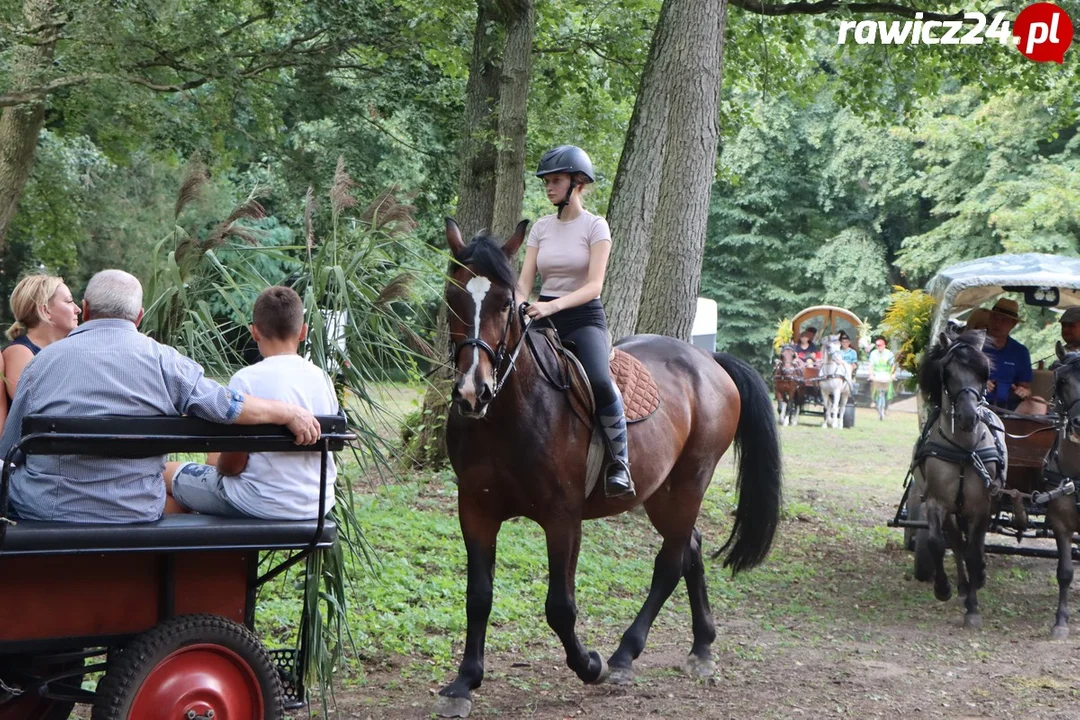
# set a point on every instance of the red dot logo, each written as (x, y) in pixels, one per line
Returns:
(1043, 32)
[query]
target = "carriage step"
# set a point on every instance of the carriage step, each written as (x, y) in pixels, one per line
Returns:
(292, 679)
(909, 524)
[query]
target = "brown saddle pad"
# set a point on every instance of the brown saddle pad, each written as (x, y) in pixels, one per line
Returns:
(641, 396)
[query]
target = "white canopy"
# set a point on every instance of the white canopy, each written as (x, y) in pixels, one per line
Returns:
(975, 283)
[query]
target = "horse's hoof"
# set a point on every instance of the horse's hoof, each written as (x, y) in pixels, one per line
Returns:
(621, 676)
(943, 594)
(699, 668)
(973, 621)
(452, 707)
(605, 672)
(1059, 632)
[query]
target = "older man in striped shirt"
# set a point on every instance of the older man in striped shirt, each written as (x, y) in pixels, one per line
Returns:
(107, 367)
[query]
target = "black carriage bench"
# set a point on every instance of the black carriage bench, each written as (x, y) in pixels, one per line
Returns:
(71, 591)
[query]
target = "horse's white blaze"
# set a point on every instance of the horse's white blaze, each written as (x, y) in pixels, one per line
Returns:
(478, 287)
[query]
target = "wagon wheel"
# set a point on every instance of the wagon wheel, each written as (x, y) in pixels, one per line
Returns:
(195, 666)
(23, 671)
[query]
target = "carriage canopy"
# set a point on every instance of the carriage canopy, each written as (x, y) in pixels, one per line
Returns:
(1051, 280)
(828, 319)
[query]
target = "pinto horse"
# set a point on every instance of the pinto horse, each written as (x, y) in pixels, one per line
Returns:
(519, 450)
(788, 385)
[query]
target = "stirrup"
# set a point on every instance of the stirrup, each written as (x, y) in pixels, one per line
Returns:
(614, 475)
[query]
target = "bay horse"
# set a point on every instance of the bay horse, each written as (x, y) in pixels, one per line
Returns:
(518, 449)
(959, 463)
(834, 382)
(1061, 470)
(788, 386)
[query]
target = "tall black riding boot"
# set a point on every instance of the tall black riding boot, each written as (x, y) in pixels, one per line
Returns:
(617, 481)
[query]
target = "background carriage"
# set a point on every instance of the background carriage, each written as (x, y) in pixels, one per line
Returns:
(829, 320)
(1046, 281)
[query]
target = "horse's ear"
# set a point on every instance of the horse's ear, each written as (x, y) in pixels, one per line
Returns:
(514, 243)
(453, 237)
(1060, 350)
(944, 340)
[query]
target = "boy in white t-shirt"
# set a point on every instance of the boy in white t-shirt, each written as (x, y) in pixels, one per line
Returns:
(272, 486)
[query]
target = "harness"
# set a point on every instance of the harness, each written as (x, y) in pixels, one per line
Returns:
(945, 449)
(1060, 483)
(949, 451)
(833, 362)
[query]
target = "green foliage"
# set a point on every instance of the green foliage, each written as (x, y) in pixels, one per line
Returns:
(1001, 176)
(815, 205)
(784, 333)
(908, 320)
(852, 270)
(353, 281)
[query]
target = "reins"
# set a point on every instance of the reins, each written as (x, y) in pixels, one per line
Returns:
(500, 355)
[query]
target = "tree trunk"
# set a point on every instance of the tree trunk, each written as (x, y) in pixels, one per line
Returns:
(20, 124)
(477, 154)
(673, 277)
(490, 189)
(520, 20)
(637, 185)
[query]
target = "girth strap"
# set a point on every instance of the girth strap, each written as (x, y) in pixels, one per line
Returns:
(949, 452)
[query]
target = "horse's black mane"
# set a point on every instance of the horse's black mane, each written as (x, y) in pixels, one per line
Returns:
(966, 351)
(488, 259)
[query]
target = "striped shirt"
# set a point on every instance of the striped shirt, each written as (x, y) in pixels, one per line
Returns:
(105, 367)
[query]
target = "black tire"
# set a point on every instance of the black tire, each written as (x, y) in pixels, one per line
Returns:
(130, 668)
(849, 415)
(16, 670)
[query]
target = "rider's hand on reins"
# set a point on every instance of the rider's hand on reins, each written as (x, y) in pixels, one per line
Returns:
(541, 310)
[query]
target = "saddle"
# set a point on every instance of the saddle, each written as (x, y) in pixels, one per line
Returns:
(640, 395)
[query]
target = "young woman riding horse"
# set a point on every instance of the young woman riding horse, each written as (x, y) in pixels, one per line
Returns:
(570, 249)
(959, 461)
(1060, 471)
(518, 449)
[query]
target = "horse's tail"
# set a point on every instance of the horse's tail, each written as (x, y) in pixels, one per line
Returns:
(758, 482)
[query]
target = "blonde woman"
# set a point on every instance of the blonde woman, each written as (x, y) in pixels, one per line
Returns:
(570, 250)
(44, 313)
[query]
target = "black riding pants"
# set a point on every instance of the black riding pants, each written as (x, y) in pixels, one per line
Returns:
(586, 327)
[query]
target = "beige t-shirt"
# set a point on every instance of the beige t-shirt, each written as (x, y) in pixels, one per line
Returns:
(564, 247)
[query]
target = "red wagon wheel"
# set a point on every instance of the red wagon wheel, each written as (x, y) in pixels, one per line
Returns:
(31, 705)
(196, 667)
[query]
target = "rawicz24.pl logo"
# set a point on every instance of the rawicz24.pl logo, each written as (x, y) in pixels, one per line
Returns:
(1041, 32)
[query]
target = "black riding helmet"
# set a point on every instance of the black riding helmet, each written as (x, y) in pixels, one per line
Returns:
(566, 159)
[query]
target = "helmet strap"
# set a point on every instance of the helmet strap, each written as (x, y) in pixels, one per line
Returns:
(566, 200)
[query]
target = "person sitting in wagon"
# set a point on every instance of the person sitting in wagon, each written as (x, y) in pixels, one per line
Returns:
(1070, 332)
(1010, 373)
(847, 353)
(271, 486)
(806, 350)
(107, 367)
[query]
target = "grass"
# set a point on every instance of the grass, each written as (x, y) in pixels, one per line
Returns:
(835, 569)
(410, 611)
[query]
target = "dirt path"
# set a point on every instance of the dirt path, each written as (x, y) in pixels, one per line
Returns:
(832, 626)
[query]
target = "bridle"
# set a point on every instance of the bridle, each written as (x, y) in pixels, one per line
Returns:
(499, 354)
(979, 393)
(1059, 397)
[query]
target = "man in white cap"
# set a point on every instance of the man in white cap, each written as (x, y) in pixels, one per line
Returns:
(1010, 378)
